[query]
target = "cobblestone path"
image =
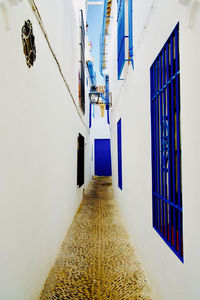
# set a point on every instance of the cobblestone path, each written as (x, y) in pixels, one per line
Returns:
(97, 260)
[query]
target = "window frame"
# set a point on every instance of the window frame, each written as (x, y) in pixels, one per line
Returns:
(123, 35)
(166, 145)
(82, 64)
(80, 160)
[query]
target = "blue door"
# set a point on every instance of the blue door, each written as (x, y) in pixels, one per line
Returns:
(102, 157)
(119, 146)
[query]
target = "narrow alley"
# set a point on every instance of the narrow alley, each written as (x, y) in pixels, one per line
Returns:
(99, 149)
(97, 260)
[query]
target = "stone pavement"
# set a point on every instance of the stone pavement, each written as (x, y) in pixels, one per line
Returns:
(97, 260)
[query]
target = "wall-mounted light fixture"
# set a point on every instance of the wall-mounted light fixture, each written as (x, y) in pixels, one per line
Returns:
(94, 95)
(28, 41)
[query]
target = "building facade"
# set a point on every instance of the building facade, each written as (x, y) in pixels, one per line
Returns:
(150, 51)
(41, 120)
(154, 139)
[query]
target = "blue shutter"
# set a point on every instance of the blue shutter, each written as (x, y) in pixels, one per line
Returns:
(121, 36)
(108, 117)
(107, 91)
(122, 56)
(119, 146)
(130, 29)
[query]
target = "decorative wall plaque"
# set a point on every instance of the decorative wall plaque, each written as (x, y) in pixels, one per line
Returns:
(28, 41)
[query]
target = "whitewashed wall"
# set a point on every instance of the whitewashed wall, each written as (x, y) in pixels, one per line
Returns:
(170, 278)
(39, 125)
(100, 129)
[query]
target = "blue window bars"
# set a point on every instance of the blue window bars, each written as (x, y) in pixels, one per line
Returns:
(107, 96)
(122, 36)
(107, 91)
(166, 145)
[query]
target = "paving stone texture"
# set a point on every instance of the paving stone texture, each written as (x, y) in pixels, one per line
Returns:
(97, 260)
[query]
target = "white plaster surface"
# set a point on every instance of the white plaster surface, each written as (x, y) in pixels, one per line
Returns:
(170, 278)
(39, 126)
(100, 130)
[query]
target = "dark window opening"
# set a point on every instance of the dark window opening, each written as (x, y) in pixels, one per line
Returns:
(124, 37)
(80, 160)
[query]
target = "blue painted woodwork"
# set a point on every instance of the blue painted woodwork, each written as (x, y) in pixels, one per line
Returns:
(108, 117)
(92, 73)
(90, 115)
(93, 115)
(102, 157)
(119, 147)
(130, 29)
(121, 36)
(166, 146)
(102, 37)
(107, 91)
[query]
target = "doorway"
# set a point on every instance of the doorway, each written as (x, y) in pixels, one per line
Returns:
(102, 157)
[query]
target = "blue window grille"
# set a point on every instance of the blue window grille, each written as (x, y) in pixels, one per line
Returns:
(108, 117)
(107, 91)
(166, 145)
(119, 146)
(122, 35)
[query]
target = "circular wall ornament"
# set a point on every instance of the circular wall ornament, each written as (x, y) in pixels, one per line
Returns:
(28, 41)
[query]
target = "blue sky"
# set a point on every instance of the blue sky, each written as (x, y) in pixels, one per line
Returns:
(94, 19)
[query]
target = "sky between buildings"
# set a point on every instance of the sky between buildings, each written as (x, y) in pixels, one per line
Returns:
(94, 20)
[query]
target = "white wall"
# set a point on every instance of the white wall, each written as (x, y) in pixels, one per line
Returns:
(100, 129)
(39, 125)
(170, 278)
